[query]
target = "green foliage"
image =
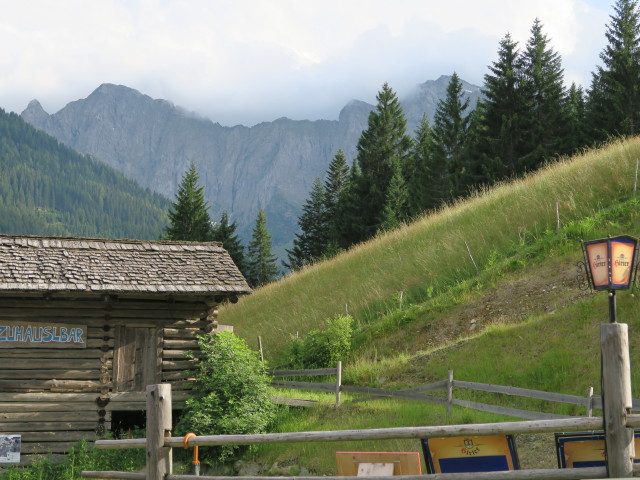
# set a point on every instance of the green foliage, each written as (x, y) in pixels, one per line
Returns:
(450, 125)
(225, 233)
(615, 90)
(311, 243)
(382, 144)
(323, 348)
(82, 456)
(189, 216)
(49, 189)
(231, 392)
(261, 268)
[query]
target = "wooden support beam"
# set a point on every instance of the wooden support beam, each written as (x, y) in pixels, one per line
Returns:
(159, 457)
(616, 384)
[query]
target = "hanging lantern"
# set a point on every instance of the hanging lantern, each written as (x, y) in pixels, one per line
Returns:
(610, 262)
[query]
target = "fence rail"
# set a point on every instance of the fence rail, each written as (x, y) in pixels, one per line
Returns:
(617, 420)
(416, 393)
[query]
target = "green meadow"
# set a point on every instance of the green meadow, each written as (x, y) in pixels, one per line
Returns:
(421, 307)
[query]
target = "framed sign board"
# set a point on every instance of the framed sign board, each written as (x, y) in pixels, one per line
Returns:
(473, 453)
(586, 449)
(353, 464)
(10, 448)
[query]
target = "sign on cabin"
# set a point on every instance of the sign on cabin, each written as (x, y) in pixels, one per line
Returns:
(42, 335)
(10, 448)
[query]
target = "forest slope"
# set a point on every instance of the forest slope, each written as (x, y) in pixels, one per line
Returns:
(47, 188)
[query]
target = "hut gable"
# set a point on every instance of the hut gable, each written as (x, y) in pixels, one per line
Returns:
(92, 265)
(86, 324)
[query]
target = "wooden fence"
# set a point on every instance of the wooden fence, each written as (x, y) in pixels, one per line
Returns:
(617, 420)
(589, 402)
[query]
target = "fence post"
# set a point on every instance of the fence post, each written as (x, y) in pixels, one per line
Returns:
(159, 457)
(260, 345)
(338, 382)
(589, 402)
(616, 399)
(450, 393)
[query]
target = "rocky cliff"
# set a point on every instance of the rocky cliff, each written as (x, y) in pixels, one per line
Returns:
(271, 165)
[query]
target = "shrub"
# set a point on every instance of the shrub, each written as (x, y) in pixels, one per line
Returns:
(324, 348)
(230, 392)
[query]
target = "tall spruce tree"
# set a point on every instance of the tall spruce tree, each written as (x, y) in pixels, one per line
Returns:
(395, 208)
(545, 92)
(189, 216)
(225, 233)
(261, 263)
(383, 142)
(336, 182)
(450, 125)
(575, 137)
(311, 243)
(423, 192)
(505, 115)
(346, 220)
(615, 88)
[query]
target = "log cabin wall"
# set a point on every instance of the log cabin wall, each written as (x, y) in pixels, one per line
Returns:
(54, 394)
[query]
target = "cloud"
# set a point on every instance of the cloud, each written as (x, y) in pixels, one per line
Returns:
(245, 61)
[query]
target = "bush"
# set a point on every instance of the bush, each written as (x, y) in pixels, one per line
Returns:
(230, 392)
(323, 348)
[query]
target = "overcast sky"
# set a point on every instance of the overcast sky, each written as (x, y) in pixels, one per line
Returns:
(247, 61)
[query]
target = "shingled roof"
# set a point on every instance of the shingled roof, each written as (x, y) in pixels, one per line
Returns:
(29, 263)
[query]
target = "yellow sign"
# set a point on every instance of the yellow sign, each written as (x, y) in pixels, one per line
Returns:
(490, 453)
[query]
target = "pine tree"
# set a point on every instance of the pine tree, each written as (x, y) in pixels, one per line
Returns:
(311, 243)
(347, 220)
(395, 208)
(617, 85)
(225, 233)
(545, 92)
(336, 182)
(422, 192)
(380, 145)
(505, 115)
(450, 125)
(188, 216)
(575, 107)
(261, 263)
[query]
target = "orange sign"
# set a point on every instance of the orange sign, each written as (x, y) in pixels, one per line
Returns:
(621, 258)
(599, 263)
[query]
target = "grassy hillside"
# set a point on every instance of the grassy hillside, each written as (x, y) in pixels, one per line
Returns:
(521, 320)
(429, 257)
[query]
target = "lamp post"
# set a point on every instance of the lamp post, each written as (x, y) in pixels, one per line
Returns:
(609, 266)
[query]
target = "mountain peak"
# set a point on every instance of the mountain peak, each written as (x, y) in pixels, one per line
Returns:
(34, 113)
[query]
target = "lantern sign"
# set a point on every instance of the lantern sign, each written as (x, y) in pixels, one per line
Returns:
(610, 262)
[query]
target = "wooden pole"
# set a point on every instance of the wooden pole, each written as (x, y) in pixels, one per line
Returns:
(590, 402)
(471, 257)
(449, 393)
(557, 217)
(616, 399)
(260, 345)
(635, 181)
(159, 458)
(338, 382)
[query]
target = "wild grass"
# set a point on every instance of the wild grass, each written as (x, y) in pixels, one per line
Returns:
(430, 255)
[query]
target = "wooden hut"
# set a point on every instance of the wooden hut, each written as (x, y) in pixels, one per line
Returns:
(86, 324)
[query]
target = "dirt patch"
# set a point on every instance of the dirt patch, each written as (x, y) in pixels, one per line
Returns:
(541, 290)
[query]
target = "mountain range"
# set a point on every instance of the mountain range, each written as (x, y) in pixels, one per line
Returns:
(271, 165)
